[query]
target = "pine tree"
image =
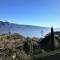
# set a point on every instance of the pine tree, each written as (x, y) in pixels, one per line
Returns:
(52, 38)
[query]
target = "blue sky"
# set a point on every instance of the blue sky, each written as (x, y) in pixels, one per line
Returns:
(31, 12)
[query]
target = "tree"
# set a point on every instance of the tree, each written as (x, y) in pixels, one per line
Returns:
(26, 47)
(29, 40)
(52, 38)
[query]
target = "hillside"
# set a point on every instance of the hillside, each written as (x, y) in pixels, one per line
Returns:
(29, 48)
(53, 55)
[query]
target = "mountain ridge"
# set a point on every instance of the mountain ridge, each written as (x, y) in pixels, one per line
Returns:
(25, 30)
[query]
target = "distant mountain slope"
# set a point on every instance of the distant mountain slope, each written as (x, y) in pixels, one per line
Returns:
(25, 30)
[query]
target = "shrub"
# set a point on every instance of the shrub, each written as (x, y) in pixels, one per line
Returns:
(23, 56)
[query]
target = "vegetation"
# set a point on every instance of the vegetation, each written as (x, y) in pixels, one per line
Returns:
(52, 39)
(17, 47)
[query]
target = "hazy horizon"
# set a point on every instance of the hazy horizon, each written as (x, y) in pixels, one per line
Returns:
(44, 13)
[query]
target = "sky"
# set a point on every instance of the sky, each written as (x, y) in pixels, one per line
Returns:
(31, 12)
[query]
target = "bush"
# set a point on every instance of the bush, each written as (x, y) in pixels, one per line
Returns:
(23, 56)
(26, 47)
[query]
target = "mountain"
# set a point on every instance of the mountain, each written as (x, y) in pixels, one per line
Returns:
(25, 30)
